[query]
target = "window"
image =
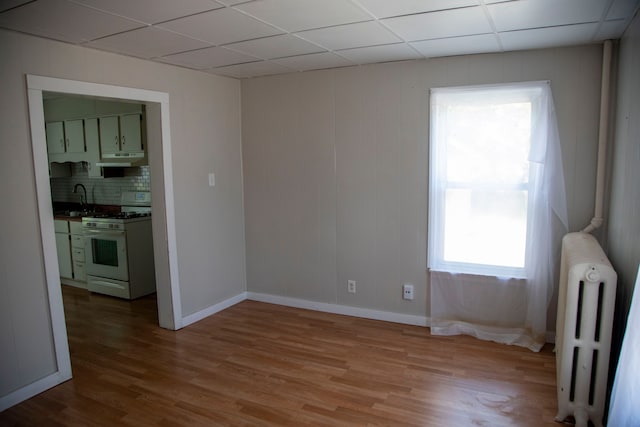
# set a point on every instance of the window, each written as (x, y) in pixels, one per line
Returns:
(480, 178)
(497, 211)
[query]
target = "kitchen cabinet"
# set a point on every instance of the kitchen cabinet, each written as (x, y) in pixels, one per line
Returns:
(70, 249)
(74, 136)
(77, 251)
(55, 137)
(65, 145)
(109, 135)
(92, 138)
(65, 137)
(120, 134)
(63, 246)
(131, 133)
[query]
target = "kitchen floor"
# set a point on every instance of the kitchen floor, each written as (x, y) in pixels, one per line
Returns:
(263, 364)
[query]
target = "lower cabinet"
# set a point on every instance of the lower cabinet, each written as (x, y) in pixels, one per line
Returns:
(77, 251)
(70, 247)
(63, 245)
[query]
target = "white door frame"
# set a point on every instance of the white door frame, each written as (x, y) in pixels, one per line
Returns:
(169, 306)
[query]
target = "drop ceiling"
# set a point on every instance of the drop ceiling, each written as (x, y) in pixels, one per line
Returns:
(244, 39)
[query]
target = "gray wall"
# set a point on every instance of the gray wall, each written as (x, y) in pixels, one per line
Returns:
(335, 169)
(205, 131)
(623, 223)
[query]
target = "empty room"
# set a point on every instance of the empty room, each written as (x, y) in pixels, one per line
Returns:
(320, 212)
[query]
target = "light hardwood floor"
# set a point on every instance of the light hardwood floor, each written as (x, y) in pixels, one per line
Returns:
(261, 364)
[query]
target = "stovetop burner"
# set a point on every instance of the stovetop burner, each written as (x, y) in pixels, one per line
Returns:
(128, 215)
(121, 215)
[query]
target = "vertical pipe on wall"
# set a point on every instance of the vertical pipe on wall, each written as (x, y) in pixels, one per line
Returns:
(605, 90)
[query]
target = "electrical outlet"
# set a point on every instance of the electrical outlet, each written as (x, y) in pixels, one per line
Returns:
(407, 291)
(351, 286)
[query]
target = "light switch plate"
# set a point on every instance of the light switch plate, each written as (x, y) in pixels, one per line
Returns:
(212, 180)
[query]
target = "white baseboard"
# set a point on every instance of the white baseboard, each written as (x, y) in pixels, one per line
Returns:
(199, 315)
(407, 319)
(32, 389)
(346, 310)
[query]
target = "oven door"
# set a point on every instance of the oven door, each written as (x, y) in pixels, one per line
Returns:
(106, 254)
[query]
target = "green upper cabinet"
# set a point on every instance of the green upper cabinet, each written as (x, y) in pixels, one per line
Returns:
(74, 136)
(120, 134)
(101, 134)
(109, 135)
(55, 138)
(65, 137)
(130, 133)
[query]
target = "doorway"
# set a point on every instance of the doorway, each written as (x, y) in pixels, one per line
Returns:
(164, 238)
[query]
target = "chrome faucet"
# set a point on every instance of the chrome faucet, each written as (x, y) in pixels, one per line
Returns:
(83, 202)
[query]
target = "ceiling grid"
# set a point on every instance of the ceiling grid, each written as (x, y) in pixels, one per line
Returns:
(250, 38)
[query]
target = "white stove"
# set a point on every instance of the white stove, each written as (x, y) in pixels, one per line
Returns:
(119, 249)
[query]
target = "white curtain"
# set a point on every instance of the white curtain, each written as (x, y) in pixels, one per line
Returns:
(507, 305)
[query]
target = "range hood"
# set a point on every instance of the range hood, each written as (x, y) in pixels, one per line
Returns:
(122, 160)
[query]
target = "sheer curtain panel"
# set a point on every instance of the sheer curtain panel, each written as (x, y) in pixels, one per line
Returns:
(497, 211)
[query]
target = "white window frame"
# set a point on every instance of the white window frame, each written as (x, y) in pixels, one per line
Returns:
(437, 195)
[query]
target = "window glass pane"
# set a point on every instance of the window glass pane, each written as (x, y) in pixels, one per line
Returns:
(488, 143)
(485, 227)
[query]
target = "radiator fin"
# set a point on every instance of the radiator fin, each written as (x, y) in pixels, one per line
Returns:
(579, 308)
(596, 337)
(592, 384)
(574, 372)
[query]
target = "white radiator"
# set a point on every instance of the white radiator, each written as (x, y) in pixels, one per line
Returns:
(586, 300)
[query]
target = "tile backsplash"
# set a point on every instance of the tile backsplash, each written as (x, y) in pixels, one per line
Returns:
(105, 191)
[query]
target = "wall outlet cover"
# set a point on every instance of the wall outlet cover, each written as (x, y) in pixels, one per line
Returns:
(351, 286)
(407, 291)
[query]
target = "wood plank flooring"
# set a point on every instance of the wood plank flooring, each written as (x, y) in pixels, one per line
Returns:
(259, 364)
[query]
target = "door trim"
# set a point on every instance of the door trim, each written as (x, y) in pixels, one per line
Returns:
(169, 305)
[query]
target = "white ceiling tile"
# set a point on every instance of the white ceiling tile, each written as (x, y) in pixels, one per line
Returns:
(8, 4)
(314, 61)
(621, 9)
(148, 42)
(275, 47)
(62, 20)
(540, 38)
(184, 33)
(208, 58)
(435, 25)
(350, 35)
(384, 53)
(152, 11)
(483, 43)
(387, 8)
(252, 69)
(297, 15)
(610, 30)
(527, 14)
(220, 26)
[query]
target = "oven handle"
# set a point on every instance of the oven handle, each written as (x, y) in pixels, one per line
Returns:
(104, 232)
